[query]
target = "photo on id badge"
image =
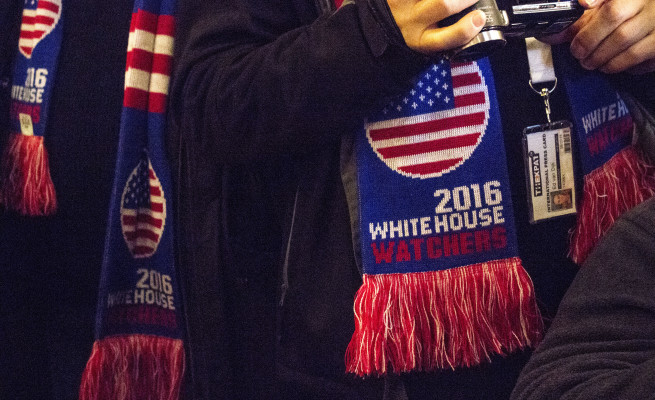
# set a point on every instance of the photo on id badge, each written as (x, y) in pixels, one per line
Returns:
(549, 170)
(561, 199)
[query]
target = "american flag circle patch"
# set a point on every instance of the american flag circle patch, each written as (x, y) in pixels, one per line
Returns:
(436, 126)
(40, 17)
(143, 210)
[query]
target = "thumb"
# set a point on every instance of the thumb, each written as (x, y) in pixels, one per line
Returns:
(436, 39)
(590, 3)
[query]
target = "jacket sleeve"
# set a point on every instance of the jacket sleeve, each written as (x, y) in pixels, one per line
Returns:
(256, 78)
(601, 344)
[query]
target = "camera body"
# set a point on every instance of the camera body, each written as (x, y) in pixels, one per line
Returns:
(514, 18)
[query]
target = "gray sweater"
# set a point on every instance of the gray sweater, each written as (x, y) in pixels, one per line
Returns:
(601, 344)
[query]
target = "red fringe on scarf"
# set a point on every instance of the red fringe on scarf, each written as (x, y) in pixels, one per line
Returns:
(445, 319)
(135, 367)
(26, 186)
(623, 182)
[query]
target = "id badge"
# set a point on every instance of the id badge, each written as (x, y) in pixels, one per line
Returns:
(549, 170)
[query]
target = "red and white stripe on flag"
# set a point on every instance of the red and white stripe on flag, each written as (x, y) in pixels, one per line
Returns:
(432, 144)
(37, 23)
(149, 61)
(143, 211)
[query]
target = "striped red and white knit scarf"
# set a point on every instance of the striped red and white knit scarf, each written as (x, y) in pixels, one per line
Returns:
(25, 183)
(139, 352)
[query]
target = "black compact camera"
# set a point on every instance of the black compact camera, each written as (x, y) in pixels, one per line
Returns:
(514, 18)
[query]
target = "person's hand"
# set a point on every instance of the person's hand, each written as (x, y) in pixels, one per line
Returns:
(417, 20)
(614, 36)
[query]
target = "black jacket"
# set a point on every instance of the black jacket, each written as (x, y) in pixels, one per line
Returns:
(262, 92)
(259, 101)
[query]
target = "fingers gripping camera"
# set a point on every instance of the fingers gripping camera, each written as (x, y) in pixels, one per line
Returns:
(523, 19)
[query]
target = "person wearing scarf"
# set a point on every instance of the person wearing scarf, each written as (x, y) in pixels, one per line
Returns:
(51, 264)
(286, 120)
(139, 352)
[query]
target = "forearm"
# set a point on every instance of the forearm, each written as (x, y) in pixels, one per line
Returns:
(261, 87)
(601, 344)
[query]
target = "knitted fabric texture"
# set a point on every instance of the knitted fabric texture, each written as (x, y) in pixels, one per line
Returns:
(139, 353)
(25, 183)
(617, 174)
(443, 284)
